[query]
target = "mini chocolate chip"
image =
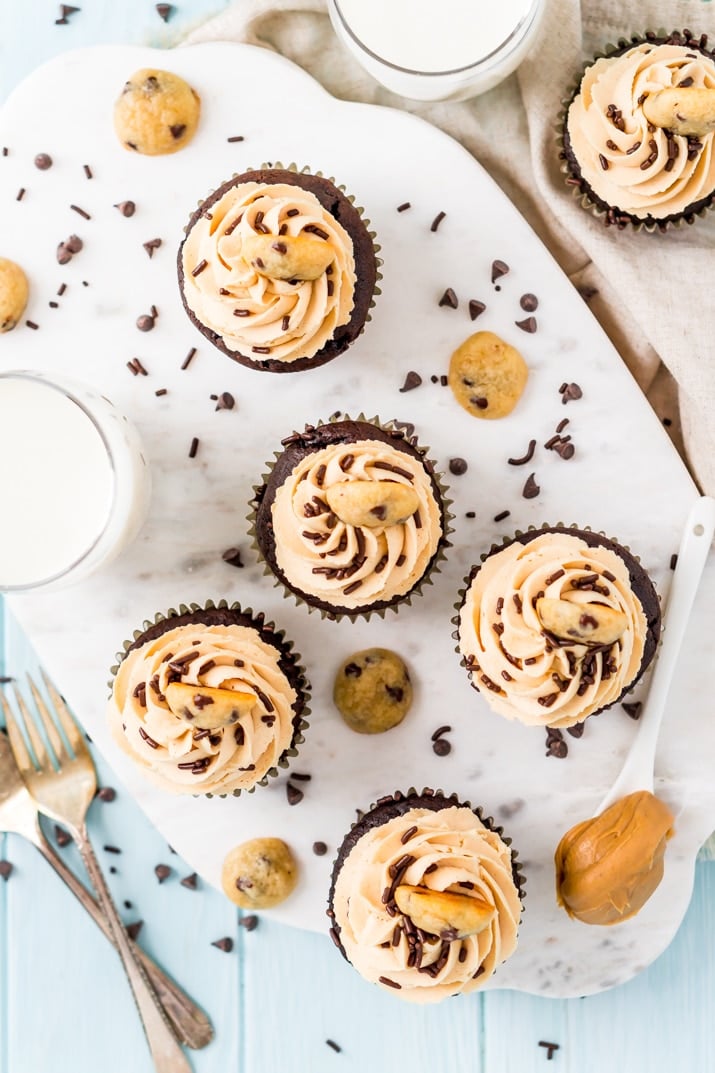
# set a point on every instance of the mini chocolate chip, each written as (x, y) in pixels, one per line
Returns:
(134, 929)
(164, 11)
(449, 298)
(531, 488)
(62, 837)
(249, 922)
(294, 795)
(5, 870)
(127, 208)
(177, 130)
(458, 466)
(441, 747)
(499, 269)
(571, 391)
(162, 872)
(145, 323)
(475, 308)
(633, 710)
(190, 882)
(43, 161)
(107, 793)
(225, 944)
(225, 401)
(352, 670)
(412, 380)
(529, 303)
(320, 849)
(232, 556)
(527, 325)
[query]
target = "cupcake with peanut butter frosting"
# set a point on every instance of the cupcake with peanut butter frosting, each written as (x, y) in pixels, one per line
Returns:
(556, 625)
(208, 700)
(426, 896)
(278, 269)
(351, 518)
(639, 133)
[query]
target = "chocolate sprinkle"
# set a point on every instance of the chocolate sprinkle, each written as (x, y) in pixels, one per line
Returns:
(81, 212)
(449, 298)
(475, 308)
(20, 194)
(200, 267)
(531, 489)
(405, 205)
(437, 221)
(525, 458)
(150, 741)
(194, 447)
(412, 380)
(502, 515)
(389, 983)
(187, 360)
(333, 1045)
(674, 560)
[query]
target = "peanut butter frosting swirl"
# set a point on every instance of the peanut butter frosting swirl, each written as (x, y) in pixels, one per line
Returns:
(179, 757)
(522, 670)
(608, 867)
(261, 317)
(347, 565)
(447, 850)
(629, 163)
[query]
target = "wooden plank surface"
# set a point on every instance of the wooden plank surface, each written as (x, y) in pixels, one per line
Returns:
(280, 994)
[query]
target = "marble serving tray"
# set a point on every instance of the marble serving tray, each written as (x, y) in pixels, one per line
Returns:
(624, 479)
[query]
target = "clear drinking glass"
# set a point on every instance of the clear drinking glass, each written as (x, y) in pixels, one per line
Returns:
(74, 481)
(427, 51)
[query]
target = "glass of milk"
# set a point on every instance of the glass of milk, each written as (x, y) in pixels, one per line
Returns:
(433, 50)
(74, 481)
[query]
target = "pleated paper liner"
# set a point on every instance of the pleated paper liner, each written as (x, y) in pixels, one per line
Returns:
(611, 215)
(299, 364)
(654, 628)
(397, 431)
(290, 664)
(398, 804)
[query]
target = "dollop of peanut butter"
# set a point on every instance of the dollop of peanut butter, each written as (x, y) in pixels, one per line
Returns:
(608, 867)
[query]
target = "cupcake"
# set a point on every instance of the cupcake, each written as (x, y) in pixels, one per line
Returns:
(426, 896)
(208, 700)
(350, 517)
(557, 624)
(638, 134)
(278, 269)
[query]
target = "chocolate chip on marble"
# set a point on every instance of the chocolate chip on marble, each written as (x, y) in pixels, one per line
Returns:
(632, 709)
(569, 392)
(249, 922)
(145, 322)
(190, 882)
(531, 488)
(458, 466)
(529, 303)
(127, 208)
(151, 245)
(225, 944)
(441, 747)
(43, 161)
(232, 556)
(320, 849)
(527, 325)
(134, 929)
(294, 794)
(412, 380)
(499, 269)
(449, 299)
(576, 731)
(164, 11)
(6, 869)
(475, 308)
(225, 401)
(162, 872)
(107, 793)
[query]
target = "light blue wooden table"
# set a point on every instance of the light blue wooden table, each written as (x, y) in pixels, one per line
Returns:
(280, 994)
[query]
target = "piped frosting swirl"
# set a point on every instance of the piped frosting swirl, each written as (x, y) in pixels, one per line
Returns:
(445, 850)
(524, 672)
(631, 164)
(258, 316)
(181, 758)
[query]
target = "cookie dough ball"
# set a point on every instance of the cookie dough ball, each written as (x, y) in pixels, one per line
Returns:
(487, 376)
(259, 874)
(13, 294)
(373, 691)
(157, 113)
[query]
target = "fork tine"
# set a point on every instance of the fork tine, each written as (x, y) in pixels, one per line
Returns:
(38, 745)
(17, 742)
(49, 724)
(74, 735)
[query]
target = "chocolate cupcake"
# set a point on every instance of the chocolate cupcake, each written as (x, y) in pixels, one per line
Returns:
(351, 518)
(638, 133)
(278, 269)
(556, 625)
(208, 700)
(426, 895)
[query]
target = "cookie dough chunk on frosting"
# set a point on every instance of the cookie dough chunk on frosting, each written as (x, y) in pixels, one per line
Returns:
(556, 581)
(174, 750)
(424, 853)
(269, 271)
(628, 162)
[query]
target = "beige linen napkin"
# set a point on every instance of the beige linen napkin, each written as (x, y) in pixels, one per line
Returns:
(653, 294)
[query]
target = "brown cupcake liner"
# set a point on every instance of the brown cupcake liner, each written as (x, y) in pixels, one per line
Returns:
(396, 429)
(545, 527)
(402, 802)
(269, 633)
(300, 364)
(611, 215)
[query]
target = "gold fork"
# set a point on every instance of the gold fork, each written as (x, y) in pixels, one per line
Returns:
(65, 794)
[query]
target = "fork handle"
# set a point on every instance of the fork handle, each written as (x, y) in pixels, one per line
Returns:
(165, 1050)
(189, 1023)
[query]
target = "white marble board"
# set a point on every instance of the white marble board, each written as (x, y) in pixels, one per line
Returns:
(625, 478)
